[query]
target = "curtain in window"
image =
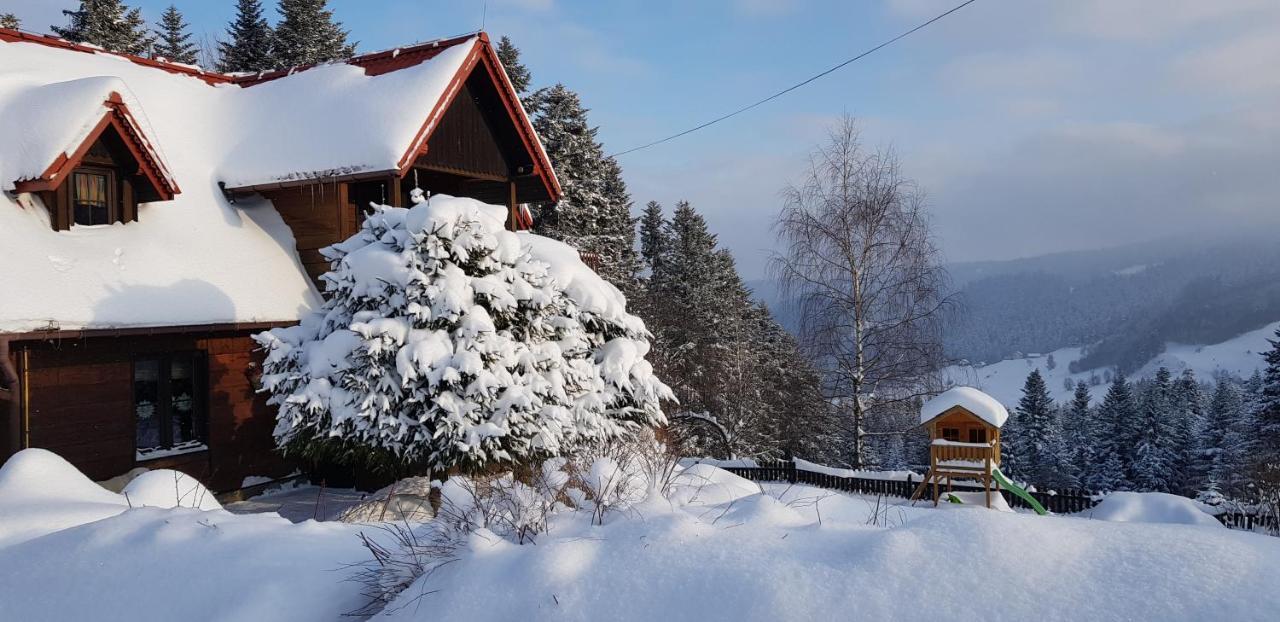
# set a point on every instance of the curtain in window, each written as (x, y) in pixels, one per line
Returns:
(90, 199)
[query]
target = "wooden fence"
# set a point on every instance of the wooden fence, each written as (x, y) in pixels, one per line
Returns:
(1060, 502)
(1268, 523)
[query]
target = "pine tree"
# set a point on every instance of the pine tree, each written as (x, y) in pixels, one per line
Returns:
(652, 237)
(250, 40)
(1154, 466)
(1115, 420)
(307, 34)
(1012, 458)
(1228, 438)
(1267, 417)
(108, 24)
(1036, 427)
(727, 357)
(10, 21)
(1079, 432)
(173, 42)
(593, 215)
(1188, 408)
(472, 357)
(517, 73)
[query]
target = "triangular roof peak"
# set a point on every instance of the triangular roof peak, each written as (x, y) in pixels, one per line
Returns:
(57, 138)
(969, 399)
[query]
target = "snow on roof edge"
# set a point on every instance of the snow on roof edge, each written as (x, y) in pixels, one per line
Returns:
(983, 406)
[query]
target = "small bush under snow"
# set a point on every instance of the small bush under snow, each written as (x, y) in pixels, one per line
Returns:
(164, 488)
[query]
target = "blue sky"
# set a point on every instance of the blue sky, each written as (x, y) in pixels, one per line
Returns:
(1034, 125)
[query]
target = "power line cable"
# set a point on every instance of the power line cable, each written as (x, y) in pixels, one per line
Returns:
(798, 84)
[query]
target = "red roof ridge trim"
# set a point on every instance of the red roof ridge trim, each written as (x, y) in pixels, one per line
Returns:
(374, 63)
(17, 36)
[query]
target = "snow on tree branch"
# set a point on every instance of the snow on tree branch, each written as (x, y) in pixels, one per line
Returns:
(448, 342)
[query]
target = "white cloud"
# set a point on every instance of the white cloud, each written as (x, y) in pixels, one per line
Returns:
(1101, 184)
(1024, 70)
(1245, 65)
(1152, 19)
(1117, 20)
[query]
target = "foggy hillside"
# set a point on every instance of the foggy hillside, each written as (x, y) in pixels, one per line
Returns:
(1121, 304)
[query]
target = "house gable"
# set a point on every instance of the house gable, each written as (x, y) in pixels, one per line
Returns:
(115, 150)
(481, 100)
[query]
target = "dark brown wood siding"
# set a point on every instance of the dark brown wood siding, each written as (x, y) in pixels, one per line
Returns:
(466, 138)
(319, 215)
(80, 406)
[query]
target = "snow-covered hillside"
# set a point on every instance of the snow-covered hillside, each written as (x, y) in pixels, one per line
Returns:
(1240, 355)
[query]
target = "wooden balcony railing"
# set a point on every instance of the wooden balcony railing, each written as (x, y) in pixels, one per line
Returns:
(953, 456)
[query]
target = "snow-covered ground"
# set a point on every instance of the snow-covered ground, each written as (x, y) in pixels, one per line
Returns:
(1240, 355)
(301, 502)
(717, 547)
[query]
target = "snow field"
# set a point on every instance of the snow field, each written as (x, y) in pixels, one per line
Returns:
(719, 549)
(716, 547)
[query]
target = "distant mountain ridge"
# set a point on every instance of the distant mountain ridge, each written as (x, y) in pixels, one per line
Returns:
(1120, 305)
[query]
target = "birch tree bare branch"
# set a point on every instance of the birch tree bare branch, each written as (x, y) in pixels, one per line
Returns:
(862, 266)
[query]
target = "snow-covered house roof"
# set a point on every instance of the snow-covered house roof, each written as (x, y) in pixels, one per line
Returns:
(980, 404)
(195, 258)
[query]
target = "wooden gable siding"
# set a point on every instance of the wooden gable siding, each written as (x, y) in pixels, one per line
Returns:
(466, 141)
(80, 406)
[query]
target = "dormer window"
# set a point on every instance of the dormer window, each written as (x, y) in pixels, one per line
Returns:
(91, 200)
(102, 180)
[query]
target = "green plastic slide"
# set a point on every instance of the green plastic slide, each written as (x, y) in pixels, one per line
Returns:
(1017, 490)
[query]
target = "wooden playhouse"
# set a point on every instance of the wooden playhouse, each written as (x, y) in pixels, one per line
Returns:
(964, 440)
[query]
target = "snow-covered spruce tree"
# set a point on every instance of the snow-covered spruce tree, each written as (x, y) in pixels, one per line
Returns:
(1187, 401)
(10, 21)
(250, 40)
(1155, 459)
(652, 237)
(517, 73)
(1037, 429)
(173, 42)
(1078, 432)
(108, 24)
(308, 34)
(450, 343)
(1220, 454)
(1012, 461)
(745, 388)
(1115, 417)
(1267, 418)
(594, 213)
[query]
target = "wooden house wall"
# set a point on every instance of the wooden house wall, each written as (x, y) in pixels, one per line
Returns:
(319, 215)
(80, 405)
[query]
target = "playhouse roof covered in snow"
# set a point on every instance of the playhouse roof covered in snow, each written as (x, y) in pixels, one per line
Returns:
(980, 404)
(197, 259)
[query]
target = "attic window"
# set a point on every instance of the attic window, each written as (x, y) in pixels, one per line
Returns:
(91, 197)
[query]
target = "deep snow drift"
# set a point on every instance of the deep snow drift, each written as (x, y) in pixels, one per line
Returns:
(1151, 507)
(716, 547)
